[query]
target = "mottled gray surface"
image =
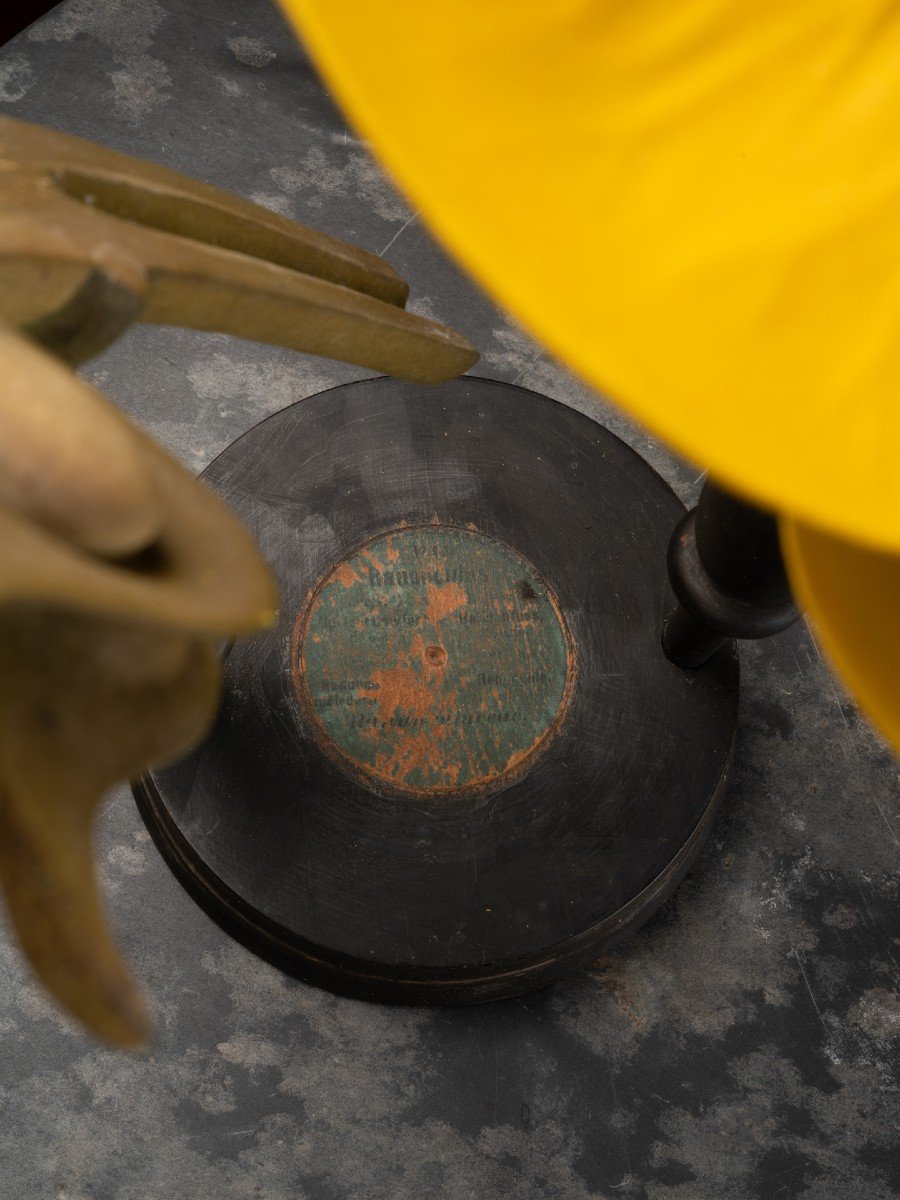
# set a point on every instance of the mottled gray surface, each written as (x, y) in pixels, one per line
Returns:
(744, 1044)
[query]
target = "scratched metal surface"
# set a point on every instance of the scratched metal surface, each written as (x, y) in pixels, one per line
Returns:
(744, 1044)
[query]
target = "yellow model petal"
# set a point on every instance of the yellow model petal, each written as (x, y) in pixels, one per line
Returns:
(695, 204)
(852, 594)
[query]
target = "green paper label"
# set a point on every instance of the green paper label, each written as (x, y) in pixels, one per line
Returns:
(433, 659)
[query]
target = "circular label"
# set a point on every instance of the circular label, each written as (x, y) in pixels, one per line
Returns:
(434, 659)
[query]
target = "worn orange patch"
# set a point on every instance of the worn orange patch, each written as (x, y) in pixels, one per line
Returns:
(443, 600)
(346, 576)
(398, 688)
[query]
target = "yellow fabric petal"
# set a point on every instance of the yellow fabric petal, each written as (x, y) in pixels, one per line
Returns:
(851, 593)
(695, 204)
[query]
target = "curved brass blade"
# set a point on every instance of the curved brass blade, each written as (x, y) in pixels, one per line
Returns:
(203, 287)
(167, 279)
(157, 198)
(85, 702)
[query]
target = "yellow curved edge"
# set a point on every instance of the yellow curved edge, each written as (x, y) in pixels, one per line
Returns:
(695, 205)
(852, 595)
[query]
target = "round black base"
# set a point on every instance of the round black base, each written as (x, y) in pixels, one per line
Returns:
(461, 766)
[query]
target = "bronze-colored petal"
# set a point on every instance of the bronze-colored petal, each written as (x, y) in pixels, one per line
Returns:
(118, 570)
(68, 462)
(164, 249)
(157, 198)
(85, 702)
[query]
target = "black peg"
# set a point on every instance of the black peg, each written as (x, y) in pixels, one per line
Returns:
(727, 572)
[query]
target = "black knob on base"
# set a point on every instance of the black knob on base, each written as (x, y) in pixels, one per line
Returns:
(726, 570)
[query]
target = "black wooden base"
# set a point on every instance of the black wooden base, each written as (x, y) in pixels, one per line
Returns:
(461, 766)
